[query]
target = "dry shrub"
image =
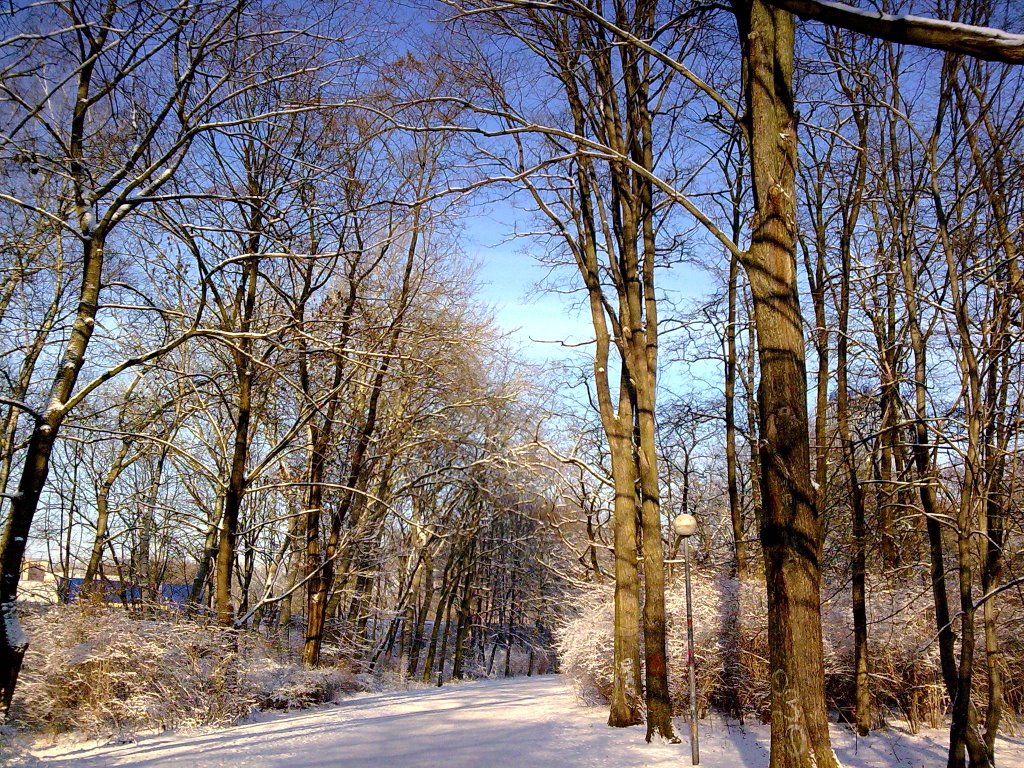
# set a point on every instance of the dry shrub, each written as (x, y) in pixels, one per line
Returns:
(298, 688)
(101, 671)
(1010, 628)
(902, 652)
(713, 616)
(731, 649)
(93, 668)
(730, 644)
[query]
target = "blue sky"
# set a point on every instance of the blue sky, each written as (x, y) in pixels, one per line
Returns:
(518, 287)
(511, 281)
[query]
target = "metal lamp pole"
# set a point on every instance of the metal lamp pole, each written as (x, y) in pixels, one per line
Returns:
(686, 525)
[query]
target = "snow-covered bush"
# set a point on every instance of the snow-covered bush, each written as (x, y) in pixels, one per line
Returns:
(97, 669)
(294, 687)
(584, 641)
(584, 644)
(730, 620)
(904, 657)
(94, 668)
(713, 611)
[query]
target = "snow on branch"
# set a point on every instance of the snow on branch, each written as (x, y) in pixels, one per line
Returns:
(981, 42)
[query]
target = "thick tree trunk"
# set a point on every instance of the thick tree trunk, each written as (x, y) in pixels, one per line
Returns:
(465, 621)
(642, 346)
(616, 219)
(627, 685)
(991, 575)
(244, 310)
(226, 542)
(445, 633)
(790, 529)
(209, 553)
(753, 438)
(435, 633)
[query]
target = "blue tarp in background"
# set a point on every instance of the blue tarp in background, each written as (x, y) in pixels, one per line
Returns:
(116, 592)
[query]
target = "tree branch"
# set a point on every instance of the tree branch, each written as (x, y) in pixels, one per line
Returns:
(985, 43)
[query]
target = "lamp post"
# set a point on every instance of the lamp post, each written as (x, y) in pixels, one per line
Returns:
(686, 525)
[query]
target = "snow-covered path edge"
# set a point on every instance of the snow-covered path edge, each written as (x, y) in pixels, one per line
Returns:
(522, 723)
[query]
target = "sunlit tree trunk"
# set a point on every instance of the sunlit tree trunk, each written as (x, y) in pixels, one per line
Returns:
(790, 530)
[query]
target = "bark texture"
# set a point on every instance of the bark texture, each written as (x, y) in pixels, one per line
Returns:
(790, 529)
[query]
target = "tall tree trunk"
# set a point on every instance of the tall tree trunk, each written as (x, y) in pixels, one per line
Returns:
(319, 441)
(509, 628)
(627, 685)
(36, 467)
(208, 554)
(117, 466)
(320, 585)
(146, 574)
(750, 374)
(443, 606)
(731, 469)
(233, 498)
(245, 309)
(863, 714)
(850, 216)
(991, 169)
(465, 619)
(423, 591)
(293, 567)
(642, 345)
(962, 733)
(790, 529)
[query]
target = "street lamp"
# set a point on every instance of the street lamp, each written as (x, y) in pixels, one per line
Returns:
(686, 525)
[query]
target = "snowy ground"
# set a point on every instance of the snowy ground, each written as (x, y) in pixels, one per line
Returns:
(524, 723)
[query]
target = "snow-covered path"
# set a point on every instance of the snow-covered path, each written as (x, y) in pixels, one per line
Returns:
(521, 723)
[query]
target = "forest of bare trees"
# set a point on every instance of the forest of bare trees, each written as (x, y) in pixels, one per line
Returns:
(244, 350)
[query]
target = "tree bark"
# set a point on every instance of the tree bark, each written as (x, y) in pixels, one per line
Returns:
(235, 492)
(863, 713)
(465, 619)
(627, 685)
(790, 529)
